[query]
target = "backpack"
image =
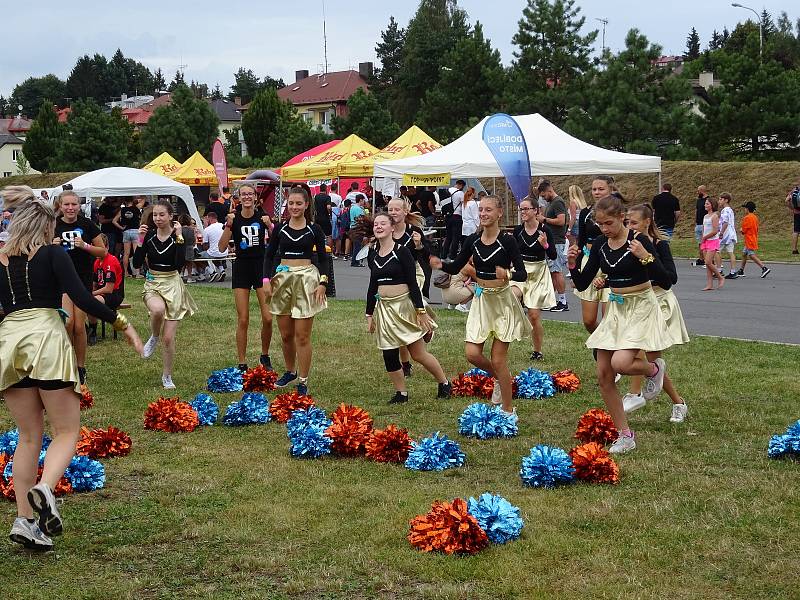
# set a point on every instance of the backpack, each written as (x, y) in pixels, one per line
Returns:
(796, 197)
(344, 219)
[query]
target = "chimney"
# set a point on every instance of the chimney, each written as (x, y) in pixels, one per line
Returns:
(706, 80)
(237, 100)
(300, 75)
(365, 70)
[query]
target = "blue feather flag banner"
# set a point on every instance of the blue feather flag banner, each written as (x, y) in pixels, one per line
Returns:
(504, 138)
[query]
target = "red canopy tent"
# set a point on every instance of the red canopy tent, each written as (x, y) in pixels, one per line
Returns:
(344, 184)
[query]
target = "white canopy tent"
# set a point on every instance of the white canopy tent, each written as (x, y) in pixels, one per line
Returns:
(124, 181)
(551, 150)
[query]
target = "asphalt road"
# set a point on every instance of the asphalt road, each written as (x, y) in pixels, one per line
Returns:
(751, 308)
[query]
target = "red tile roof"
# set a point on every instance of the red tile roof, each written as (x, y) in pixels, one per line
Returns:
(333, 87)
(15, 125)
(137, 116)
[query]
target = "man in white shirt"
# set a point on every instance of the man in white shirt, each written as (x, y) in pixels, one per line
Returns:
(353, 194)
(336, 199)
(211, 236)
(727, 233)
(452, 239)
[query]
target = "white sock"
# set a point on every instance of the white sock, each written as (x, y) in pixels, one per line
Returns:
(562, 298)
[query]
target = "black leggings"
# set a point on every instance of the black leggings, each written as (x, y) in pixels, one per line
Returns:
(391, 358)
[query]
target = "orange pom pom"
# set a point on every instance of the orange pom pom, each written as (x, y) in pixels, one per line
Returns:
(102, 443)
(170, 414)
(479, 386)
(596, 425)
(350, 428)
(388, 445)
(87, 399)
(447, 528)
(259, 379)
(566, 381)
(283, 405)
(63, 486)
(593, 463)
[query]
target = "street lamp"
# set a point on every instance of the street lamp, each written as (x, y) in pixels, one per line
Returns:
(760, 29)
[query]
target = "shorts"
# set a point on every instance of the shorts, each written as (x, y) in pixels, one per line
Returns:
(130, 236)
(749, 251)
(326, 226)
(727, 247)
(113, 300)
(710, 246)
(43, 384)
(248, 273)
(698, 233)
(559, 265)
(797, 223)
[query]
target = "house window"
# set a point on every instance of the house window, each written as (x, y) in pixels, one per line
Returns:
(6, 173)
(15, 155)
(307, 116)
(323, 118)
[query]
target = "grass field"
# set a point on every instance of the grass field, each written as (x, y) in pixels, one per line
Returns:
(700, 512)
(770, 249)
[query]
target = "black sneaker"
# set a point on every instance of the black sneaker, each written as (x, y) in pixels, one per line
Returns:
(82, 375)
(285, 379)
(537, 355)
(399, 397)
(242, 367)
(407, 368)
(699, 262)
(731, 275)
(445, 390)
(795, 252)
(266, 362)
(740, 273)
(560, 307)
(302, 388)
(765, 271)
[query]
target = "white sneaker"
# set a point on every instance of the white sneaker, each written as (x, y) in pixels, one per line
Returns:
(679, 412)
(497, 396)
(623, 444)
(654, 384)
(462, 308)
(632, 402)
(150, 346)
(29, 535)
(43, 503)
(166, 381)
(190, 280)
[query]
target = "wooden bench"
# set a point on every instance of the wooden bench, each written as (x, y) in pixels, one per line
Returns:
(123, 306)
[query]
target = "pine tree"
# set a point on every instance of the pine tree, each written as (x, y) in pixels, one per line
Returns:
(367, 119)
(217, 93)
(262, 119)
(92, 140)
(390, 54)
(551, 59)
(42, 139)
(469, 89)
(246, 85)
(159, 84)
(767, 25)
(88, 79)
(692, 45)
(4, 106)
(177, 81)
(715, 43)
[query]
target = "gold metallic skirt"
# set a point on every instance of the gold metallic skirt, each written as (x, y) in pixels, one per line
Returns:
(420, 274)
(636, 324)
(496, 312)
(169, 286)
(396, 322)
(293, 292)
(34, 343)
(673, 315)
(537, 290)
(592, 294)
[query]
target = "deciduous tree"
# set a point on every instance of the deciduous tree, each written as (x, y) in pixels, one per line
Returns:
(367, 119)
(93, 139)
(31, 92)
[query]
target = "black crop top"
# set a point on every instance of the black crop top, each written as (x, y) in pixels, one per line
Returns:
(395, 268)
(588, 231)
(420, 254)
(290, 243)
(249, 235)
(40, 281)
(503, 252)
(621, 267)
(163, 256)
(529, 247)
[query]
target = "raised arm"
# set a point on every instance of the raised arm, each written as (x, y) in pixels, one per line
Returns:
(462, 259)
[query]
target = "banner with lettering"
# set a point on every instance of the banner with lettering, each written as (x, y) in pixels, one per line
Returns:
(220, 164)
(504, 138)
(437, 179)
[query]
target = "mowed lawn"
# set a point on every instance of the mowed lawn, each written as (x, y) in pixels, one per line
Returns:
(223, 512)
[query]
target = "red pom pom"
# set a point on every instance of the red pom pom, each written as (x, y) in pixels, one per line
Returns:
(350, 428)
(448, 528)
(102, 443)
(283, 405)
(259, 379)
(170, 414)
(596, 425)
(388, 445)
(7, 487)
(566, 381)
(479, 386)
(87, 399)
(593, 463)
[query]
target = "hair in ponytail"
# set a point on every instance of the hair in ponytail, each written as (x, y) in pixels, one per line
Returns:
(645, 212)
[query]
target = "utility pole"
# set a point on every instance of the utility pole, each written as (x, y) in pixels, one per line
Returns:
(604, 22)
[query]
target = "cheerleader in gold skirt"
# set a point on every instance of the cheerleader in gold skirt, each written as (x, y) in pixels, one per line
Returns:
(38, 366)
(495, 312)
(536, 293)
(395, 311)
(634, 322)
(164, 293)
(640, 220)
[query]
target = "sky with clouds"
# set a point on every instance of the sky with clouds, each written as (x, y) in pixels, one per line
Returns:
(213, 39)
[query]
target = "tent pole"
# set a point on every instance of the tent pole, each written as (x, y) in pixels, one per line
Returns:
(494, 187)
(659, 182)
(373, 197)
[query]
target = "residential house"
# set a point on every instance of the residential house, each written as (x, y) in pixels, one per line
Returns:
(10, 150)
(16, 126)
(228, 113)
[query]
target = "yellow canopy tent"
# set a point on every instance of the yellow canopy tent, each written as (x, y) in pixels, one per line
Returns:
(196, 171)
(330, 163)
(163, 164)
(414, 142)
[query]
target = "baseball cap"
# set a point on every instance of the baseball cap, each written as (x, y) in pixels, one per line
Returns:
(751, 206)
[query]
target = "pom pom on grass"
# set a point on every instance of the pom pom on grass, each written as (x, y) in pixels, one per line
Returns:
(206, 409)
(547, 467)
(306, 430)
(350, 428)
(251, 409)
(478, 385)
(533, 383)
(87, 399)
(594, 464)
(225, 380)
(435, 453)
(259, 379)
(483, 422)
(103, 443)
(283, 405)
(566, 381)
(388, 445)
(497, 517)
(596, 425)
(170, 414)
(449, 528)
(85, 474)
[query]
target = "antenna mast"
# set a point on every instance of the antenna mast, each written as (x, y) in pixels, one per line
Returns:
(325, 37)
(604, 22)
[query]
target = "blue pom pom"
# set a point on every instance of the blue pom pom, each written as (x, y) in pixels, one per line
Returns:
(225, 380)
(532, 383)
(306, 431)
(252, 409)
(546, 466)
(435, 453)
(483, 422)
(85, 474)
(477, 371)
(206, 409)
(10, 439)
(780, 445)
(794, 429)
(497, 517)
